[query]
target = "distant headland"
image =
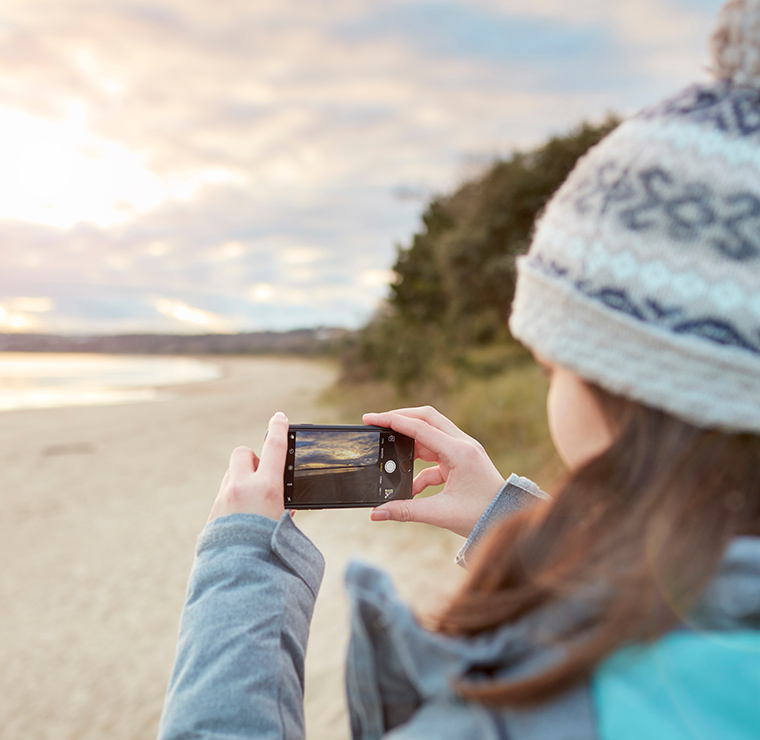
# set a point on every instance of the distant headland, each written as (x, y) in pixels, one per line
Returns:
(299, 341)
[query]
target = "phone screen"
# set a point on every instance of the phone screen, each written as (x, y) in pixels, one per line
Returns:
(347, 466)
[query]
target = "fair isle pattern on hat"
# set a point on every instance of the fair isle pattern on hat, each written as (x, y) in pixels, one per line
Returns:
(644, 272)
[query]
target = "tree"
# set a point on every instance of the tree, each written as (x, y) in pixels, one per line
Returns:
(455, 282)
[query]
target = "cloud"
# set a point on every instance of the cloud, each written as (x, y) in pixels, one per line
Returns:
(210, 255)
(197, 318)
(204, 149)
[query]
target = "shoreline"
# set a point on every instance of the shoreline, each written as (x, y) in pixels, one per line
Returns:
(36, 380)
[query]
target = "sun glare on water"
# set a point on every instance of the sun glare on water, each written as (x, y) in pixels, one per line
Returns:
(57, 173)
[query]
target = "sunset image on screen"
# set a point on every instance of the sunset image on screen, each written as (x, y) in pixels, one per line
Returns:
(336, 449)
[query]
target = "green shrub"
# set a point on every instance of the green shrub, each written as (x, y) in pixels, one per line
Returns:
(455, 282)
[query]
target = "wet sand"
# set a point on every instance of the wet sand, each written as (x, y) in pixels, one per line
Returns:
(101, 507)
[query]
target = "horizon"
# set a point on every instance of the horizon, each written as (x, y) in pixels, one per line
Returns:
(178, 168)
(180, 334)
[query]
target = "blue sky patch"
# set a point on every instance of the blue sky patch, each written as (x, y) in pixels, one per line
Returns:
(450, 29)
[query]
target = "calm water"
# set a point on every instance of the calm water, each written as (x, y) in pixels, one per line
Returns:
(38, 380)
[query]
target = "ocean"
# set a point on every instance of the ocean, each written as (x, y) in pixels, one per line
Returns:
(50, 380)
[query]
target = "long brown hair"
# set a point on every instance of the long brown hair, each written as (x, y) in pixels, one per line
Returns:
(642, 526)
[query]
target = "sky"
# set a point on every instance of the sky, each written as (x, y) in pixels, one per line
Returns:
(190, 166)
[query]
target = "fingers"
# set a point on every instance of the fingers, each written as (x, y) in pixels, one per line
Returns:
(252, 485)
(432, 439)
(423, 510)
(428, 414)
(275, 448)
(243, 461)
(426, 478)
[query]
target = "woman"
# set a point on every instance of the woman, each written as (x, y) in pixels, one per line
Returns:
(629, 605)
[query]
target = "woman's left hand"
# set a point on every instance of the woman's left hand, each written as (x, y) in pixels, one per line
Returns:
(254, 485)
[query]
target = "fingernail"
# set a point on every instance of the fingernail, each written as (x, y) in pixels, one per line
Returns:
(378, 515)
(279, 415)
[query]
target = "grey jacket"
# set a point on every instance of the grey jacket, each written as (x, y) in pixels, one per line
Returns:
(239, 671)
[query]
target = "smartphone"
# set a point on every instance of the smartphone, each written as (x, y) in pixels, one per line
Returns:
(331, 467)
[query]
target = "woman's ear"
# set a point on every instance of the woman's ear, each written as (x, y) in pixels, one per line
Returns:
(577, 424)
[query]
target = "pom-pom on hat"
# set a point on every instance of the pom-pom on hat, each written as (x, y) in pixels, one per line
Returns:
(736, 43)
(644, 271)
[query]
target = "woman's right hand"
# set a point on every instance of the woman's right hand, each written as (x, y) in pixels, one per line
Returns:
(470, 480)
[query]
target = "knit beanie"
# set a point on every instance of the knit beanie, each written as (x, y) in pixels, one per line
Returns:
(644, 271)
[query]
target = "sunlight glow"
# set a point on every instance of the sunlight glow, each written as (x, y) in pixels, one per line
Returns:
(15, 321)
(189, 314)
(261, 293)
(226, 252)
(277, 295)
(30, 304)
(57, 173)
(301, 255)
(377, 278)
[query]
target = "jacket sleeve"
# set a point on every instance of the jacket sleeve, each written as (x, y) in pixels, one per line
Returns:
(517, 493)
(239, 670)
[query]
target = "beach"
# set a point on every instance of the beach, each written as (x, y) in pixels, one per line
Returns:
(101, 508)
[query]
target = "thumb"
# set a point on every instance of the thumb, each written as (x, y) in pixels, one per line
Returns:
(422, 510)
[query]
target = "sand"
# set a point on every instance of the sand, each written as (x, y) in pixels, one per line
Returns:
(101, 507)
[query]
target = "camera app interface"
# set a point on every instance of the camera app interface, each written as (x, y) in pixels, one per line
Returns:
(341, 467)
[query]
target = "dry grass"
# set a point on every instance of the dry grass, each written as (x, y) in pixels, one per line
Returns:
(506, 412)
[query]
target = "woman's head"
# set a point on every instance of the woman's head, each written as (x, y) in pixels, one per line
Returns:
(644, 273)
(635, 533)
(641, 291)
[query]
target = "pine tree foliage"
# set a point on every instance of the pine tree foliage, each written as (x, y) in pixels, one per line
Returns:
(455, 282)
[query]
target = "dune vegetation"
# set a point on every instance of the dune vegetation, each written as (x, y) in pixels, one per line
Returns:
(441, 337)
